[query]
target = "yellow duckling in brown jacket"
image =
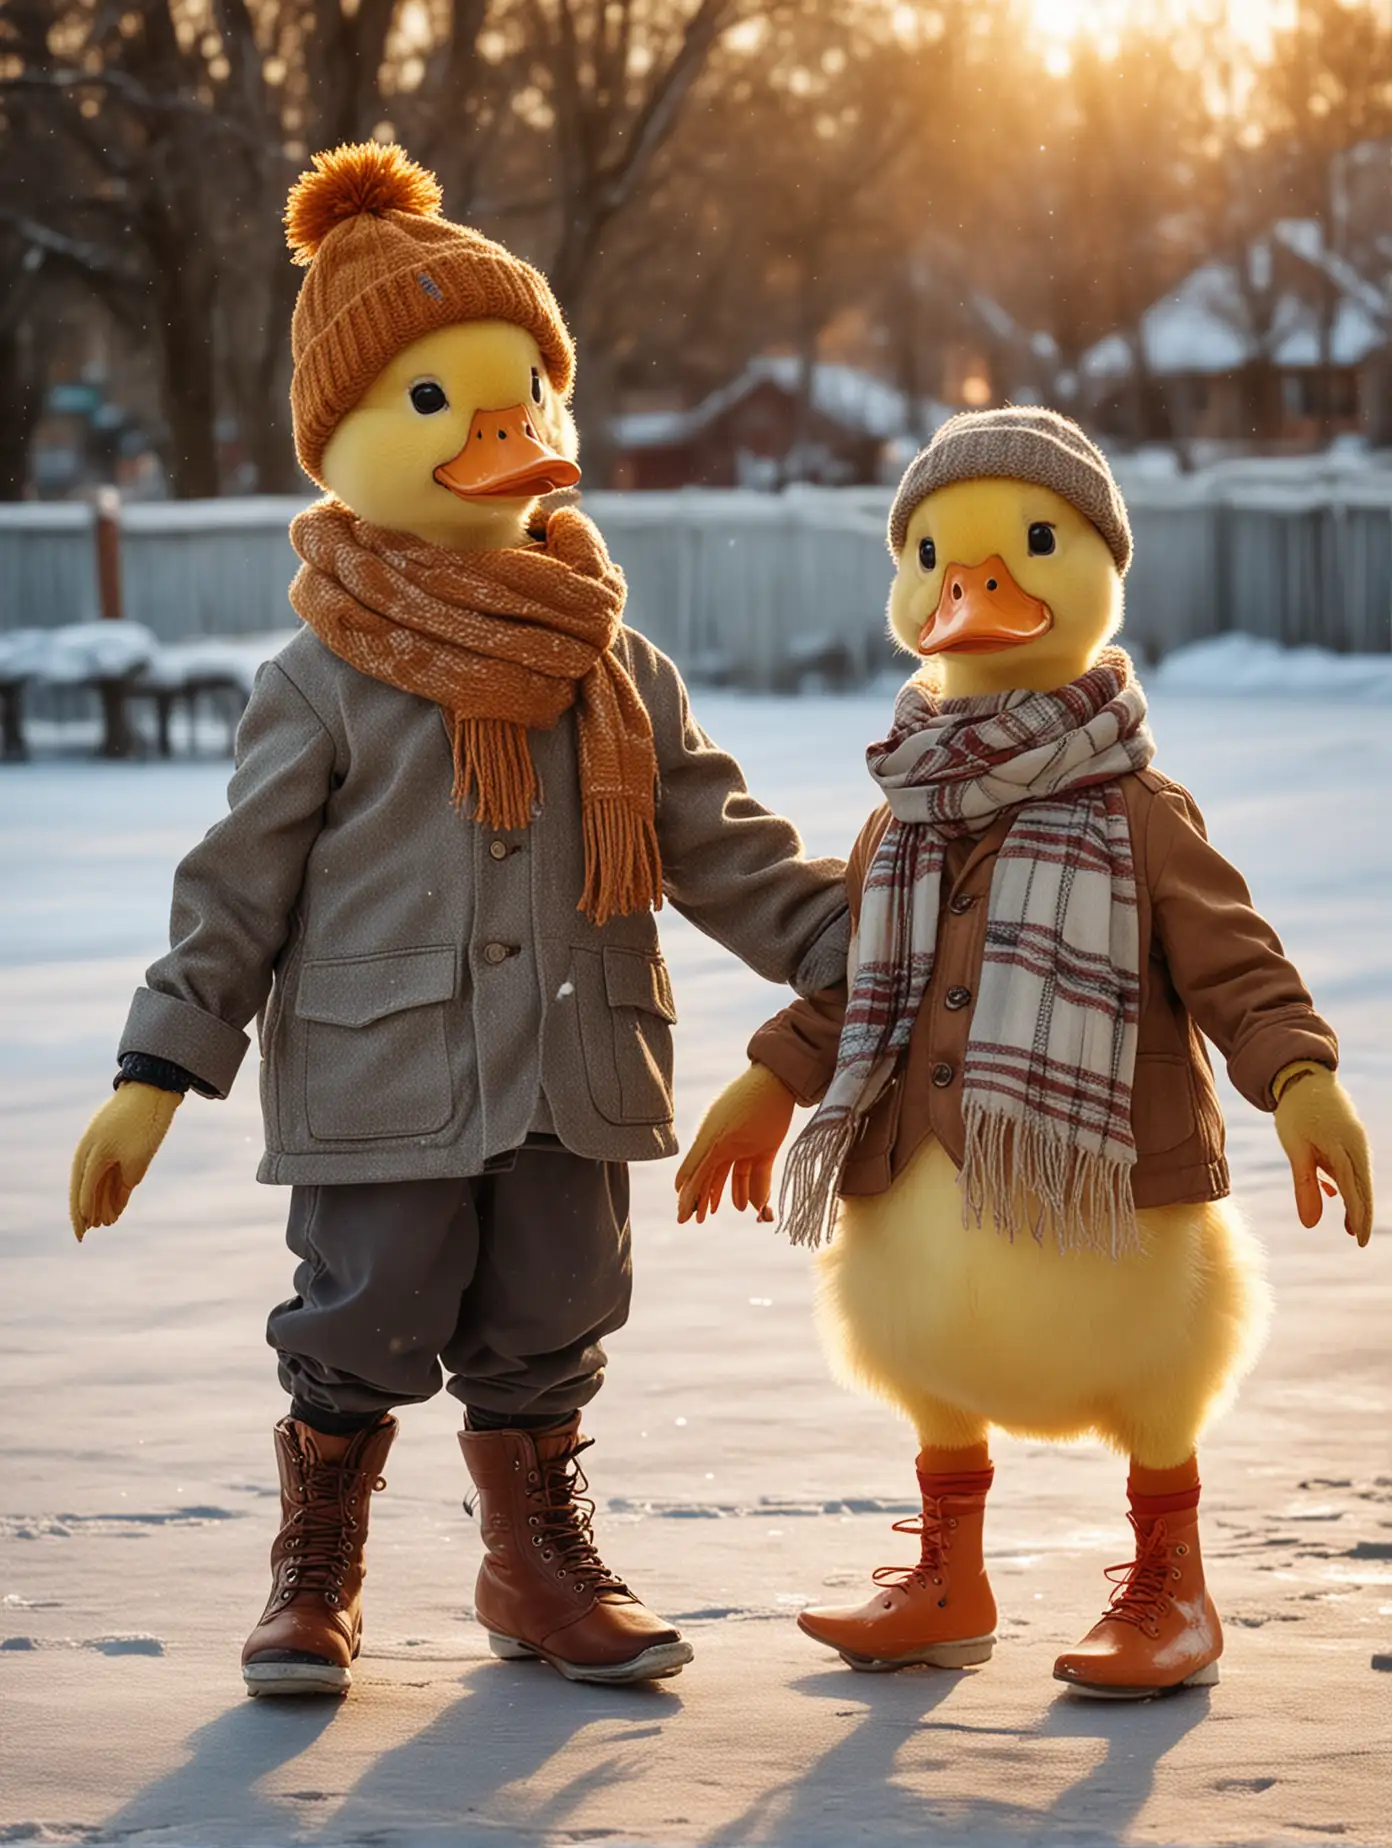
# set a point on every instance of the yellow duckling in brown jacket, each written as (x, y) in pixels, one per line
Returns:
(1018, 1136)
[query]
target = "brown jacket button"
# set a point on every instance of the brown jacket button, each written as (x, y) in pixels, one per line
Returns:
(498, 849)
(960, 902)
(957, 997)
(942, 1076)
(497, 952)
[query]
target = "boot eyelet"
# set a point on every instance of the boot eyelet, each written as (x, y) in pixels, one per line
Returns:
(533, 1520)
(286, 1595)
(331, 1597)
(1175, 1572)
(937, 1581)
(1181, 1549)
(292, 1574)
(953, 1521)
(517, 1462)
(942, 1604)
(533, 1476)
(888, 1603)
(561, 1572)
(536, 1539)
(548, 1554)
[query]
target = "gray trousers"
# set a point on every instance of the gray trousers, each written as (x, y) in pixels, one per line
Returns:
(510, 1278)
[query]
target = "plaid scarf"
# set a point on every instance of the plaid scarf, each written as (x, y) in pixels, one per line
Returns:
(1046, 1098)
(505, 641)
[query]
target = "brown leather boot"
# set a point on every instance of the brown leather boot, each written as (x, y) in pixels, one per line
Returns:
(311, 1629)
(940, 1612)
(543, 1589)
(1161, 1630)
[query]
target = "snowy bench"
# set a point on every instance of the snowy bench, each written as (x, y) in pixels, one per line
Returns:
(124, 663)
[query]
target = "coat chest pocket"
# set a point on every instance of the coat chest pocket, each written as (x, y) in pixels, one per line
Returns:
(376, 1055)
(626, 1015)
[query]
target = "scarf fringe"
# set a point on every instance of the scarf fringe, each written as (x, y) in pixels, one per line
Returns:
(492, 762)
(811, 1178)
(1030, 1182)
(623, 866)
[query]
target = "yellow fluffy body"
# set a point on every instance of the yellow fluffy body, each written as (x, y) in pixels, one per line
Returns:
(963, 1329)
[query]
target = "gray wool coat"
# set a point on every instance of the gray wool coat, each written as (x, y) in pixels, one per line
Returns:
(426, 992)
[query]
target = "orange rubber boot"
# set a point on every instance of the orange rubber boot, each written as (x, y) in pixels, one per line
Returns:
(1161, 1630)
(940, 1612)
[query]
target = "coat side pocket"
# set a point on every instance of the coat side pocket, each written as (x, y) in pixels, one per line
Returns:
(376, 1054)
(1162, 1102)
(626, 1016)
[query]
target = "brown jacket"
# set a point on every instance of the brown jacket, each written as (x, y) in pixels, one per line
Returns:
(1209, 966)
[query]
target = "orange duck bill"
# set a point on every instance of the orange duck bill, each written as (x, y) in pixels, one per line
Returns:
(505, 459)
(982, 610)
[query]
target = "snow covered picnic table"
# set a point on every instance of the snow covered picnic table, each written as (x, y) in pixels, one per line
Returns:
(124, 663)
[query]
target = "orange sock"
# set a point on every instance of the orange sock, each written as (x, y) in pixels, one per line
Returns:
(955, 1472)
(1153, 1492)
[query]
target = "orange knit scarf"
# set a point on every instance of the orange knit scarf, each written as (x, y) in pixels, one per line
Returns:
(506, 642)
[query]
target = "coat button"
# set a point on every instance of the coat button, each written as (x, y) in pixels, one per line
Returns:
(498, 952)
(498, 849)
(960, 902)
(957, 997)
(943, 1076)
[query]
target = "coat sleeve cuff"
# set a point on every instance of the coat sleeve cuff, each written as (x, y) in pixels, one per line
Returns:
(167, 1028)
(824, 965)
(778, 1046)
(1256, 1064)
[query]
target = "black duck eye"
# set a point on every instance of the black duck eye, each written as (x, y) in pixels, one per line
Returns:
(1041, 539)
(536, 386)
(927, 555)
(428, 396)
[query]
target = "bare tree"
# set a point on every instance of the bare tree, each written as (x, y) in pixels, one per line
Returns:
(1324, 94)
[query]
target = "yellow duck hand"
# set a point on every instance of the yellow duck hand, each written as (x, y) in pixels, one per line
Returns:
(1321, 1133)
(117, 1147)
(740, 1136)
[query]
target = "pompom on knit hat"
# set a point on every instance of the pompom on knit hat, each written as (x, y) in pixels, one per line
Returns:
(1017, 443)
(385, 268)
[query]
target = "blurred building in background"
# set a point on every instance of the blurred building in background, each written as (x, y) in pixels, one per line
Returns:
(838, 427)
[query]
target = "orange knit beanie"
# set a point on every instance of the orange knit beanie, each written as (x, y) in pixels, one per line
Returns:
(385, 268)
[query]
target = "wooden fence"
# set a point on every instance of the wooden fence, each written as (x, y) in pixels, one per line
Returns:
(762, 589)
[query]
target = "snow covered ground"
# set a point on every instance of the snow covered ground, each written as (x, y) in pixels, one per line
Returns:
(736, 1482)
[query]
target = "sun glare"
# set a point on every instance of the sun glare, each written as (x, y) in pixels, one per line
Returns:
(1062, 24)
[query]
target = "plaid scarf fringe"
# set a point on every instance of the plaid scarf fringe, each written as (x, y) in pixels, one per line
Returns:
(1033, 1184)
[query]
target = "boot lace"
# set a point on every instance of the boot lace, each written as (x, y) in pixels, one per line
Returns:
(565, 1521)
(1143, 1582)
(321, 1536)
(930, 1530)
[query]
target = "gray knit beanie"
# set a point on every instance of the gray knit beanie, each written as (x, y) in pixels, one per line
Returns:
(1019, 443)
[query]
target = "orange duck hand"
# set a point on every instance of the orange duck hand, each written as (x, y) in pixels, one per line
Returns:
(739, 1139)
(1322, 1135)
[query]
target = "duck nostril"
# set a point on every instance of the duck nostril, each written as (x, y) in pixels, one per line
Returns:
(956, 590)
(990, 584)
(502, 436)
